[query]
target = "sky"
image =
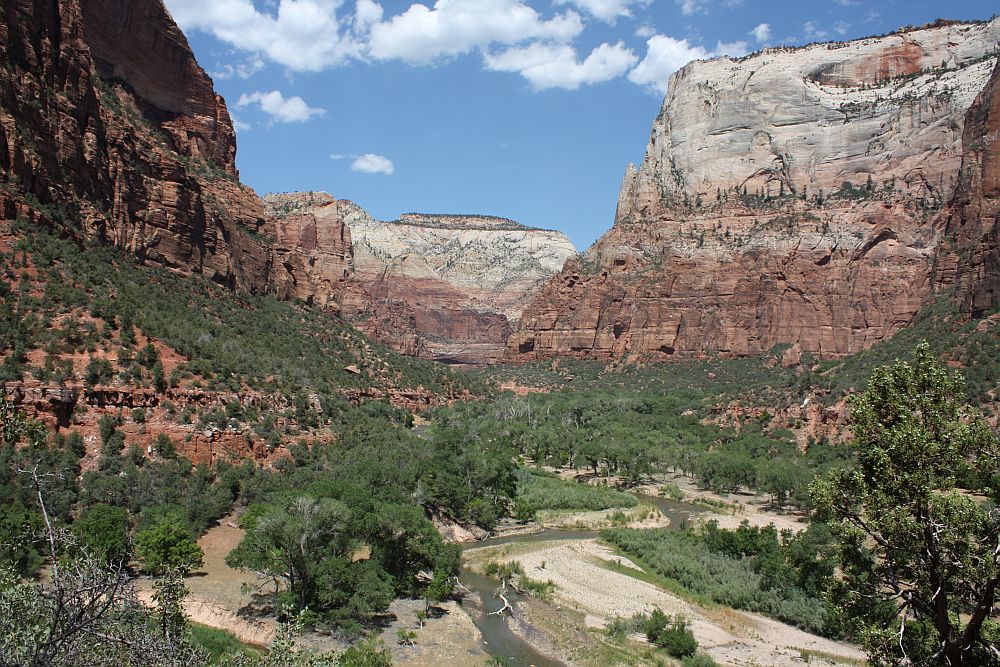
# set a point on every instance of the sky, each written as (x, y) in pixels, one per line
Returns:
(525, 109)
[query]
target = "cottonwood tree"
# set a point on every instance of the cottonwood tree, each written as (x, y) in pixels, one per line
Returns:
(919, 555)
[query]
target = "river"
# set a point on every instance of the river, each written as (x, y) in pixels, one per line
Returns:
(498, 639)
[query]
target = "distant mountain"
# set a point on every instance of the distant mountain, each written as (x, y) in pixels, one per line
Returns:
(445, 287)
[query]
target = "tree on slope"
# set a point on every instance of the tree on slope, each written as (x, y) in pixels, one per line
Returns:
(920, 557)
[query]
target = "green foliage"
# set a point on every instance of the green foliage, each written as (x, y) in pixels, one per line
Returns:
(219, 644)
(750, 568)
(918, 556)
(539, 491)
(102, 530)
(167, 545)
(673, 634)
(98, 371)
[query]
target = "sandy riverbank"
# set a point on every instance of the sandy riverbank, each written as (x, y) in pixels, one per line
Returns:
(585, 584)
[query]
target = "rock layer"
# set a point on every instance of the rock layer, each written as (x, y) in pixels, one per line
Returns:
(445, 287)
(792, 196)
(113, 132)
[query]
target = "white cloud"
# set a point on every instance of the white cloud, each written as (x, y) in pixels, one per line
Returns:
(279, 108)
(665, 55)
(688, 7)
(762, 33)
(841, 27)
(736, 49)
(304, 35)
(366, 14)
(556, 65)
(604, 10)
(371, 163)
(645, 31)
(813, 31)
(421, 35)
(243, 70)
(847, 3)
(339, 156)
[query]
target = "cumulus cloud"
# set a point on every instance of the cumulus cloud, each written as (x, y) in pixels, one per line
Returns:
(243, 70)
(603, 10)
(665, 55)
(303, 35)
(762, 33)
(557, 65)
(422, 35)
(372, 163)
(279, 108)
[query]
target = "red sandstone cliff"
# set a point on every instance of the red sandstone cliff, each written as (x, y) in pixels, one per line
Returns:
(111, 130)
(792, 196)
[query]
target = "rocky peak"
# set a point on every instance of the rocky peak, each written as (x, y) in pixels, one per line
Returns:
(792, 196)
(973, 222)
(448, 287)
(806, 120)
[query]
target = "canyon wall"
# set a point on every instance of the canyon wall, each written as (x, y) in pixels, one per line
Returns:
(112, 132)
(972, 262)
(791, 196)
(445, 287)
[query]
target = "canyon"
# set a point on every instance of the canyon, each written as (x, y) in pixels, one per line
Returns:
(797, 196)
(444, 287)
(816, 196)
(113, 133)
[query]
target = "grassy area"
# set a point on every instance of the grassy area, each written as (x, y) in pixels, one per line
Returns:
(220, 643)
(537, 490)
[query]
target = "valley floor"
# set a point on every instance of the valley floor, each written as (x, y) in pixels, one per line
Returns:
(448, 638)
(592, 581)
(593, 585)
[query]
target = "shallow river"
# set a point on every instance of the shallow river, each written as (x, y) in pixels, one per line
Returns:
(498, 640)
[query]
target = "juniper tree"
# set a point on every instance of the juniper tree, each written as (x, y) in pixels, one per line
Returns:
(918, 554)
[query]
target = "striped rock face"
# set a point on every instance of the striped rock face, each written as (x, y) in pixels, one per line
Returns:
(791, 196)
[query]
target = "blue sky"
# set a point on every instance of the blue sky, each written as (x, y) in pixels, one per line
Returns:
(527, 109)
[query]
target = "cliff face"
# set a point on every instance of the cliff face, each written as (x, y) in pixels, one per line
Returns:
(112, 131)
(787, 197)
(973, 223)
(442, 287)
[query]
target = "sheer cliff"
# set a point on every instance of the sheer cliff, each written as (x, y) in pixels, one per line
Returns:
(113, 132)
(791, 196)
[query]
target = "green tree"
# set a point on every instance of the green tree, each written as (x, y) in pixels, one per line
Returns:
(919, 558)
(289, 543)
(167, 545)
(103, 531)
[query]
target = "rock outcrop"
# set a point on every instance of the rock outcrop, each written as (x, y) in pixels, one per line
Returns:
(973, 223)
(792, 196)
(110, 130)
(445, 287)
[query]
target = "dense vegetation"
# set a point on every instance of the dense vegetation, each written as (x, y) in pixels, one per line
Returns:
(538, 490)
(756, 569)
(631, 434)
(85, 299)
